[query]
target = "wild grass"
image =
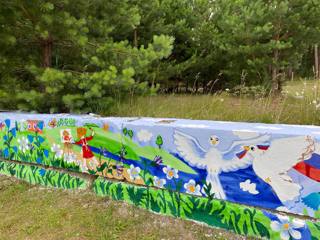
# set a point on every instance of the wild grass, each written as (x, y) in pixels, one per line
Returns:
(298, 104)
(30, 212)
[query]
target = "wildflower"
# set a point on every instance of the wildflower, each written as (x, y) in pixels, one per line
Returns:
(39, 160)
(287, 228)
(170, 172)
(122, 153)
(159, 182)
(23, 144)
(104, 152)
(70, 158)
(57, 150)
(83, 167)
(192, 188)
(134, 172)
(7, 122)
(42, 172)
(158, 160)
(119, 168)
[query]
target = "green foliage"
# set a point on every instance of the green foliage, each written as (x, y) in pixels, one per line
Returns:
(59, 56)
(38, 175)
(68, 57)
(239, 219)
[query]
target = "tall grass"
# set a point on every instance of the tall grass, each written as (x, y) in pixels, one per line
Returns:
(299, 104)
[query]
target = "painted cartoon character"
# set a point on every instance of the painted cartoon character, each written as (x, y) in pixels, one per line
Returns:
(35, 126)
(87, 154)
(67, 141)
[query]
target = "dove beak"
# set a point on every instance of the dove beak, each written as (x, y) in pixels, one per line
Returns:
(213, 142)
(246, 148)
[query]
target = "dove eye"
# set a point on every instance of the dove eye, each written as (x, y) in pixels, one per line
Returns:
(252, 148)
(217, 139)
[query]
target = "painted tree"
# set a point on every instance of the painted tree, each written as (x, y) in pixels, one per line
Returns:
(159, 141)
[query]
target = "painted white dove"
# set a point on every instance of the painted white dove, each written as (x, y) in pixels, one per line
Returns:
(212, 160)
(271, 163)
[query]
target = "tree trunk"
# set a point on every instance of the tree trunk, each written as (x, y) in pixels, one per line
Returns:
(46, 47)
(135, 38)
(275, 80)
(316, 62)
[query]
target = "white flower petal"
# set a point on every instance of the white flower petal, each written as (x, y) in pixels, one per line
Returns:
(295, 234)
(298, 223)
(285, 235)
(191, 181)
(283, 219)
(275, 226)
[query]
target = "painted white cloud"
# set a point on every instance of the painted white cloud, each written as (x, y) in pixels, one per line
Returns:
(245, 133)
(247, 186)
(144, 135)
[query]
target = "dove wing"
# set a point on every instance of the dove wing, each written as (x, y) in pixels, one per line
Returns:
(190, 149)
(284, 153)
(234, 164)
(251, 141)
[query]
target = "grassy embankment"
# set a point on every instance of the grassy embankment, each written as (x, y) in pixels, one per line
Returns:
(299, 105)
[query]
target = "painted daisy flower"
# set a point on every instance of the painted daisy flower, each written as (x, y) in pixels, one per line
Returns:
(23, 144)
(134, 172)
(192, 188)
(287, 228)
(159, 182)
(170, 172)
(70, 158)
(57, 150)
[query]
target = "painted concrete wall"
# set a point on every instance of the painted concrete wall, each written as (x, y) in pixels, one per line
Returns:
(269, 166)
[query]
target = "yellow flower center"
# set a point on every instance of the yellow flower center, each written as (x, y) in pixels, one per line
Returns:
(192, 188)
(286, 226)
(170, 173)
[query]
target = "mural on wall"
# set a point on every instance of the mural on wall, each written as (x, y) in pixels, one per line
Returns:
(45, 177)
(269, 166)
(237, 218)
